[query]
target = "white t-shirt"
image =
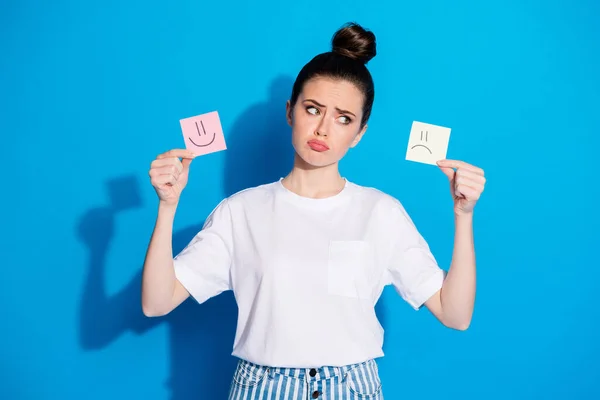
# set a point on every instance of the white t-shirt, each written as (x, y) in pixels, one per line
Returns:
(306, 273)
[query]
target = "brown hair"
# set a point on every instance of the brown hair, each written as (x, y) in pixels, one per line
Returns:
(352, 48)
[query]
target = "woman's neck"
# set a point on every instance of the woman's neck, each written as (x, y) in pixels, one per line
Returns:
(314, 182)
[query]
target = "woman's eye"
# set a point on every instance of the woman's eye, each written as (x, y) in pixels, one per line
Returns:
(312, 110)
(345, 120)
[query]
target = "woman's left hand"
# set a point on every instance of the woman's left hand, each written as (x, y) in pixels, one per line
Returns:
(466, 184)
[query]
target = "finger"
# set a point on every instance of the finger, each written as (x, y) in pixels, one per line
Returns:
(167, 179)
(166, 170)
(171, 170)
(159, 163)
(185, 163)
(470, 176)
(449, 172)
(467, 192)
(468, 183)
(459, 164)
(181, 153)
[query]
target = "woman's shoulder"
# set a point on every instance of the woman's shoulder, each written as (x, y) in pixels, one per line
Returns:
(375, 195)
(383, 206)
(253, 193)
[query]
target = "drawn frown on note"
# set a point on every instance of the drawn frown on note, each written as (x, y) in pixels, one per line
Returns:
(427, 143)
(203, 133)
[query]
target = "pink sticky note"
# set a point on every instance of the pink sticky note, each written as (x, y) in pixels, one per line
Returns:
(203, 133)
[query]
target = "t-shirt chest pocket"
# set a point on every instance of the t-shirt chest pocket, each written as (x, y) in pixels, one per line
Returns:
(350, 268)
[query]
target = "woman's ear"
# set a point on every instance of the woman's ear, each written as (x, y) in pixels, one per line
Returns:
(288, 113)
(359, 136)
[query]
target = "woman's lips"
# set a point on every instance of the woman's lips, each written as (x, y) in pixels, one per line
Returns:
(317, 145)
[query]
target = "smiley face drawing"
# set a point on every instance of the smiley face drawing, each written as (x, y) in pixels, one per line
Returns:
(422, 145)
(202, 136)
(427, 143)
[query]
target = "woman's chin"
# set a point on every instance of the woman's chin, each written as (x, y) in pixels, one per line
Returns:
(310, 159)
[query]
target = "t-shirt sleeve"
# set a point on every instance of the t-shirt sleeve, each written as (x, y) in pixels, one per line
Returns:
(203, 266)
(412, 269)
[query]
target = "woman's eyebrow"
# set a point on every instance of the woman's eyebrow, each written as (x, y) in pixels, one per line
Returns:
(338, 109)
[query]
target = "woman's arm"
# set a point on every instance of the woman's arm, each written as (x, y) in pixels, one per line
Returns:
(161, 291)
(453, 304)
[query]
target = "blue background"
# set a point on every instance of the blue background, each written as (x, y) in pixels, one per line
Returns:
(91, 92)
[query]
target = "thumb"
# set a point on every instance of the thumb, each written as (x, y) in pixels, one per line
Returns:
(186, 163)
(449, 172)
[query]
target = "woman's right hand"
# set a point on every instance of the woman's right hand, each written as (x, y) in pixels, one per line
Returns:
(169, 175)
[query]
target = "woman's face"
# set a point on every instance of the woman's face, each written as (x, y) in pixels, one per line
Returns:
(326, 121)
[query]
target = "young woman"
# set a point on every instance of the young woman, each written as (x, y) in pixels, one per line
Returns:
(308, 256)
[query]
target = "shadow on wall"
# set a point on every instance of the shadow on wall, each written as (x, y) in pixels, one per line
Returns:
(259, 151)
(260, 144)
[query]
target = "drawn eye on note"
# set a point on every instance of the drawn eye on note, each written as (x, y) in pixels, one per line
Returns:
(203, 134)
(427, 143)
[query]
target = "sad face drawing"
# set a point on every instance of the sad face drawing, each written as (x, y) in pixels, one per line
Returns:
(423, 145)
(427, 143)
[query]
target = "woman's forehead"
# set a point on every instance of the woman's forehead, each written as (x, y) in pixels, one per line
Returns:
(335, 93)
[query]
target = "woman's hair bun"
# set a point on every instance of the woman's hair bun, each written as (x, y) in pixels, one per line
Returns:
(354, 41)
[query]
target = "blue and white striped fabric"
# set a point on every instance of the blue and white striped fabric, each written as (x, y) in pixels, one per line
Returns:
(352, 382)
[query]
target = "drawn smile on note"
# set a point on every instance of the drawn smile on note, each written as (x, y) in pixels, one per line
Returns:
(422, 145)
(203, 134)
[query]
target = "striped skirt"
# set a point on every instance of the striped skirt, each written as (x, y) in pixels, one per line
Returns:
(352, 382)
